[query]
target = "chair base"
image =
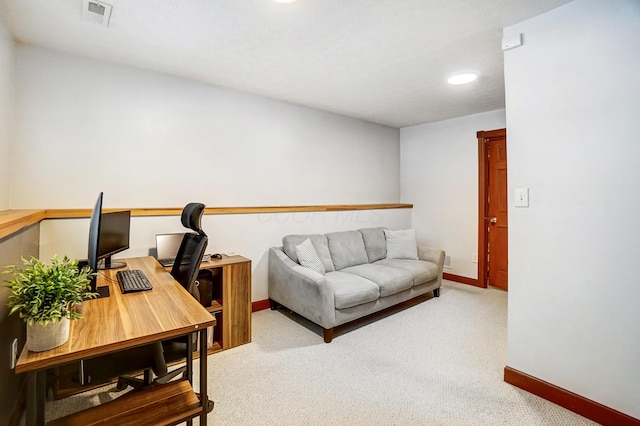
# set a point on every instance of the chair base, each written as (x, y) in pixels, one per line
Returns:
(136, 383)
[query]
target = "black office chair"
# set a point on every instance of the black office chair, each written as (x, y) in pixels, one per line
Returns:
(185, 271)
(154, 357)
(187, 263)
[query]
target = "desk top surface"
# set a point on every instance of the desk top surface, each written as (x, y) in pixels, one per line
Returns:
(226, 260)
(125, 320)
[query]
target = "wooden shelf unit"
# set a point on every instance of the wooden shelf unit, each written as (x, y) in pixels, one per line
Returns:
(230, 301)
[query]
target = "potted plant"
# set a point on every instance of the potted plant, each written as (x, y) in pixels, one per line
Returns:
(47, 297)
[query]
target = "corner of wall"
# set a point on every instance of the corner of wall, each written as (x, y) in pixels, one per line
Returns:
(7, 89)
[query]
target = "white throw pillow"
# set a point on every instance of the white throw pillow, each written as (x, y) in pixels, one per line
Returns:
(308, 257)
(401, 244)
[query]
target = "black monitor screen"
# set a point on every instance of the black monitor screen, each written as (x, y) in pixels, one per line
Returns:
(93, 249)
(114, 235)
(94, 235)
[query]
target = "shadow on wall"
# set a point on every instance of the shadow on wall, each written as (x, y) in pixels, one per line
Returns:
(12, 248)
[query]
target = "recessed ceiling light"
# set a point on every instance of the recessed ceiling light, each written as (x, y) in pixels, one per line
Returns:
(462, 78)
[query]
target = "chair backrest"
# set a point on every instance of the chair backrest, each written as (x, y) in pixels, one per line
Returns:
(187, 264)
(191, 217)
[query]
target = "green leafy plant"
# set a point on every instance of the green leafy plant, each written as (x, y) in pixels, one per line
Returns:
(43, 293)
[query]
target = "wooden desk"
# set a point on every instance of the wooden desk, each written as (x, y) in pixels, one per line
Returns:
(123, 321)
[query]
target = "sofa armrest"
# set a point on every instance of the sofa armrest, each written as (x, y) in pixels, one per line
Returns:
(433, 255)
(300, 289)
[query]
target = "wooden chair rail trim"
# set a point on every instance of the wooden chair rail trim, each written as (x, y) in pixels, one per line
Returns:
(12, 221)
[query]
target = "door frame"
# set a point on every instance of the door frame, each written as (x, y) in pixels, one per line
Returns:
(483, 206)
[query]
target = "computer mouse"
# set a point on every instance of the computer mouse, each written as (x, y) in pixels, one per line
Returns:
(216, 256)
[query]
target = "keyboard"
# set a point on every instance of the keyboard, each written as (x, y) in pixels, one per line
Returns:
(133, 280)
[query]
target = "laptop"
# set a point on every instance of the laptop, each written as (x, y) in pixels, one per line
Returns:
(167, 246)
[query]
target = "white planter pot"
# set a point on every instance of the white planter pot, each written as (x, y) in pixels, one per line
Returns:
(42, 338)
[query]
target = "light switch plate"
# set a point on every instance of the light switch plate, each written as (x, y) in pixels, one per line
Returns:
(522, 197)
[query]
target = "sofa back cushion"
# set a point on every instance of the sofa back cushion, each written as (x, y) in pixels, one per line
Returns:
(401, 244)
(375, 243)
(319, 242)
(347, 249)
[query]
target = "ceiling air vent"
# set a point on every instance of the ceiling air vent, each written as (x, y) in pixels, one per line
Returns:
(96, 12)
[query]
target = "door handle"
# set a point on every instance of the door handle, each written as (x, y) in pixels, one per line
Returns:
(493, 220)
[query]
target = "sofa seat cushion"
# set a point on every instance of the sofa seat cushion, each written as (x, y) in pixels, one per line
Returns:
(390, 280)
(319, 242)
(351, 290)
(421, 270)
(347, 249)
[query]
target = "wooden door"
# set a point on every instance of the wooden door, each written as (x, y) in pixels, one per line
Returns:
(498, 224)
(493, 220)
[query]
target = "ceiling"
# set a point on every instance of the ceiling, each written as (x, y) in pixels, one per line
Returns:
(385, 61)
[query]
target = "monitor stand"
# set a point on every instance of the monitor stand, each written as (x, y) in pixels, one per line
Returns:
(102, 292)
(108, 264)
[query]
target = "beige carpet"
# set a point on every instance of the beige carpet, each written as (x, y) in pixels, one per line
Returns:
(437, 363)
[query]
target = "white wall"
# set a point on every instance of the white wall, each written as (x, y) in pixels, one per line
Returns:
(7, 63)
(573, 109)
(250, 235)
(152, 140)
(439, 175)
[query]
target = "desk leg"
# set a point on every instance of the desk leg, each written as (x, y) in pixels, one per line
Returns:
(189, 365)
(204, 398)
(36, 388)
(189, 358)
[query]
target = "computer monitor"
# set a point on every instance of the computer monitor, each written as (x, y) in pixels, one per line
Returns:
(93, 250)
(113, 237)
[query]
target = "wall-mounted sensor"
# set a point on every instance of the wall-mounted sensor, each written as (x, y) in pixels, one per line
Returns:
(96, 11)
(512, 41)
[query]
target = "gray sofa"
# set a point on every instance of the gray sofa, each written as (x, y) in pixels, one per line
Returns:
(357, 275)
